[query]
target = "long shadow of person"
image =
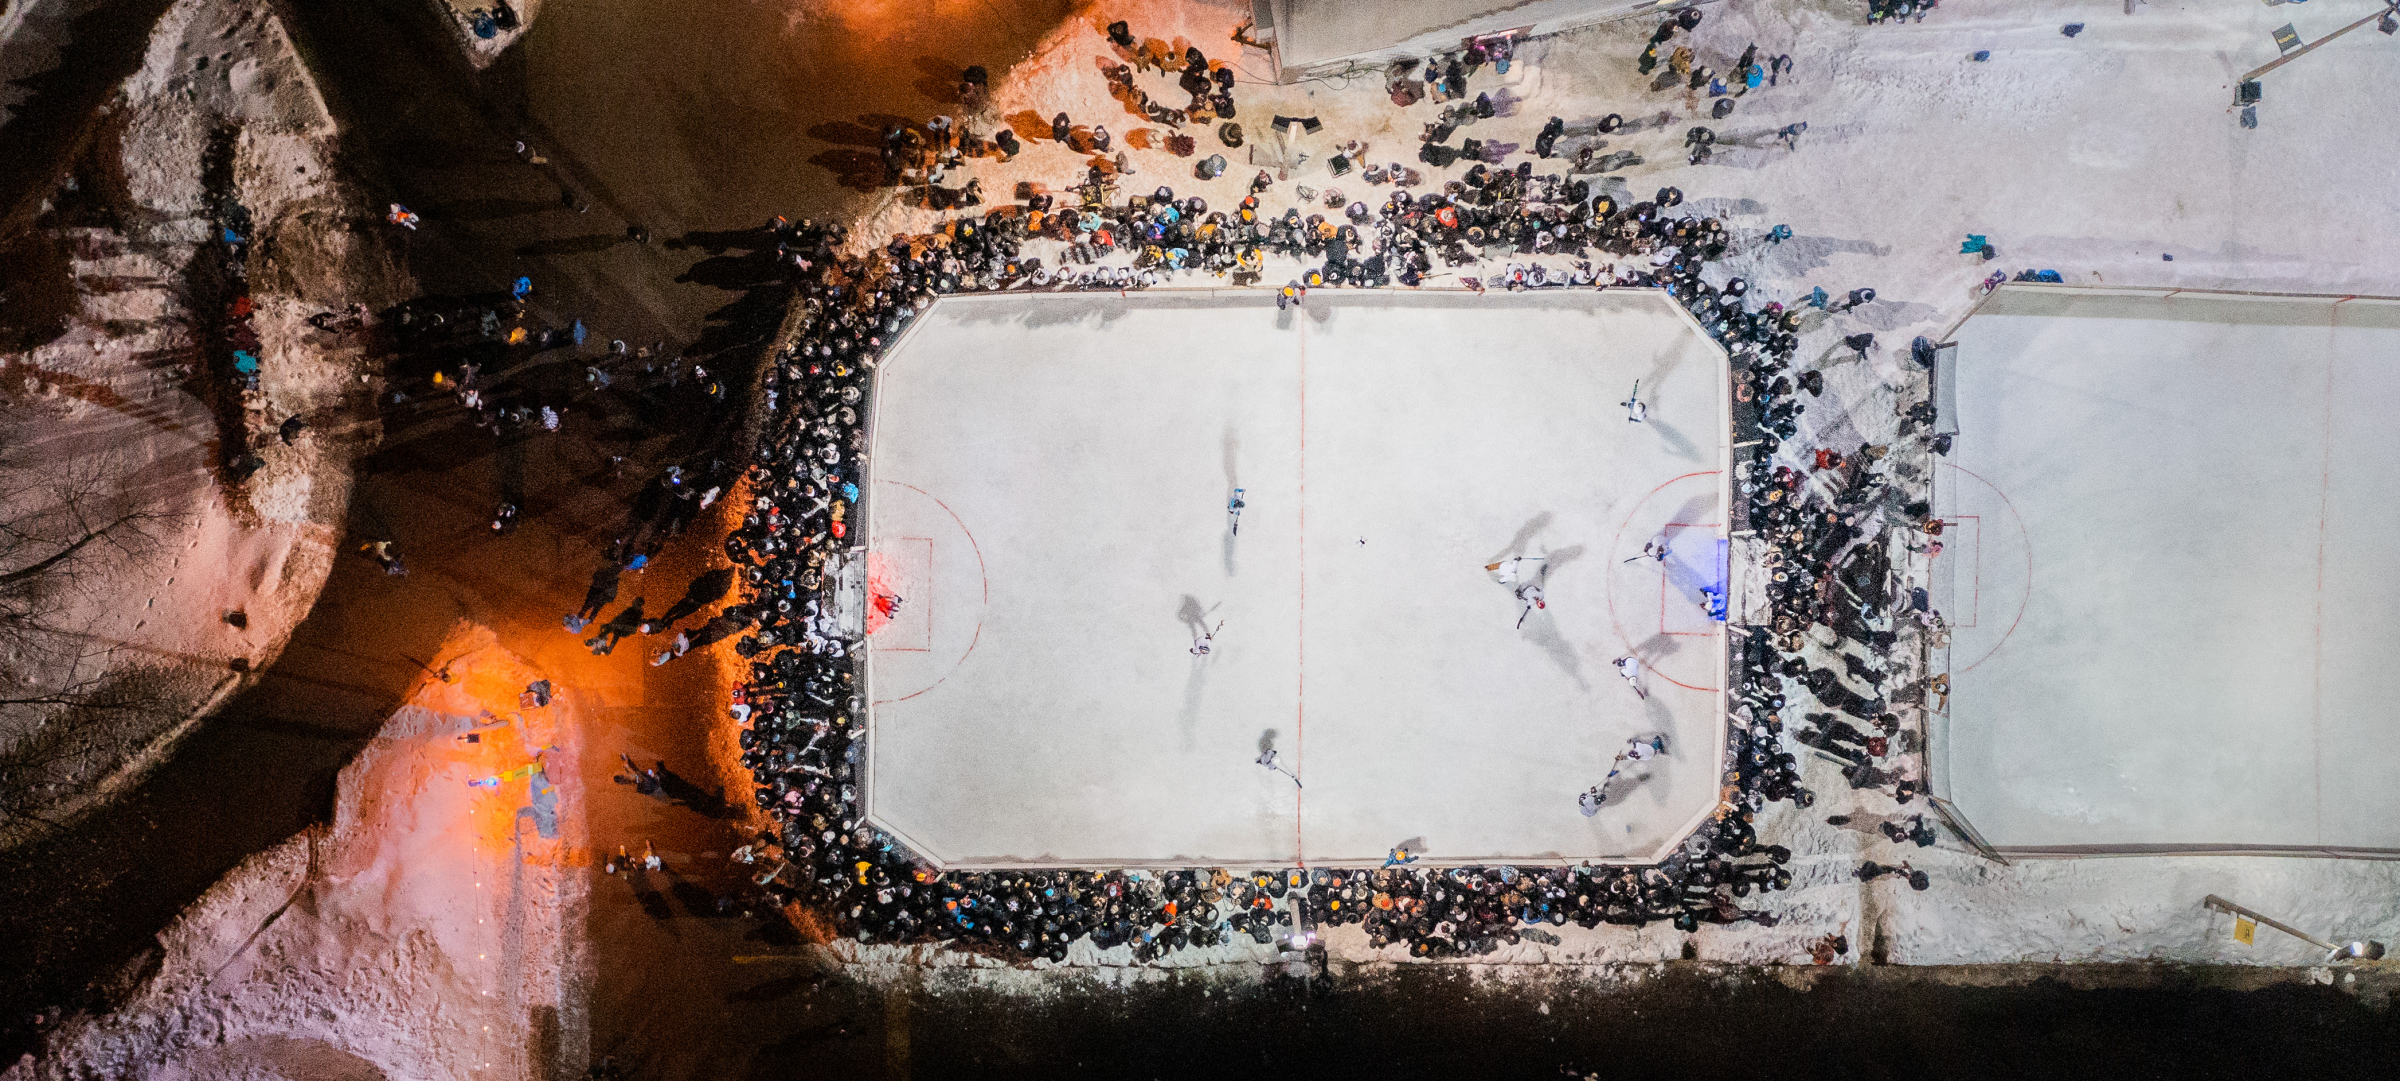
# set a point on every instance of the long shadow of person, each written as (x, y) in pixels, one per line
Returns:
(676, 788)
(774, 929)
(718, 241)
(654, 903)
(696, 899)
(705, 590)
(779, 987)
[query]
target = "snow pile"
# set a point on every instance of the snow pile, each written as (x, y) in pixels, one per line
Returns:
(132, 402)
(486, 28)
(424, 934)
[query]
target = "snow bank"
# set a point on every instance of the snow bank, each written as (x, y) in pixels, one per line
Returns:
(222, 566)
(423, 934)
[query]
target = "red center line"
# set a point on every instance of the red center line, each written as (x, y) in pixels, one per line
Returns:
(1300, 718)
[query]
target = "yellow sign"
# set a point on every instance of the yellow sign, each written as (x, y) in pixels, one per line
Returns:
(2244, 931)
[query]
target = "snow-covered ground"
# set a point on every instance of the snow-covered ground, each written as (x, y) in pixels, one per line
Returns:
(129, 410)
(426, 933)
(2093, 155)
(471, 19)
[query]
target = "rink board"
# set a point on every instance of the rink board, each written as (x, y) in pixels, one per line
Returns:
(1048, 476)
(2171, 526)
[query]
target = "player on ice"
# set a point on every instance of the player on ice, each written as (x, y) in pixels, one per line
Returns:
(1530, 595)
(1267, 758)
(1510, 572)
(1635, 407)
(1507, 570)
(1233, 507)
(1637, 749)
(1207, 639)
(1654, 548)
(1630, 667)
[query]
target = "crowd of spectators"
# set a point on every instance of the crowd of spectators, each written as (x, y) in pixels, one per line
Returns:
(802, 706)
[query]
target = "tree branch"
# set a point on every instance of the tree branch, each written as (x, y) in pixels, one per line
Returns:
(62, 555)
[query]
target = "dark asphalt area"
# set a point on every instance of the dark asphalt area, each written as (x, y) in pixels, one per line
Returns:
(698, 127)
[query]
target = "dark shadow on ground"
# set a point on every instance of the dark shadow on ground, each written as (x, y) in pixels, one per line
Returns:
(50, 129)
(690, 134)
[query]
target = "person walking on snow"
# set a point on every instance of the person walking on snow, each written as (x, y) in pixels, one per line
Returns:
(381, 552)
(1630, 667)
(1869, 871)
(1201, 645)
(1635, 408)
(644, 781)
(1233, 508)
(624, 624)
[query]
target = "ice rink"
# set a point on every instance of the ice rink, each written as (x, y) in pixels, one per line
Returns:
(1049, 477)
(2170, 527)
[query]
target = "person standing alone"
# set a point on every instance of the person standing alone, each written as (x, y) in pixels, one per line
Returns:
(1630, 667)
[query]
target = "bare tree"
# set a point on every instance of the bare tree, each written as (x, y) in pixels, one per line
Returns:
(68, 707)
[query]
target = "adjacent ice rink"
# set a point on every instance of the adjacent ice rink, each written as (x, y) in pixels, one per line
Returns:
(2171, 521)
(1049, 479)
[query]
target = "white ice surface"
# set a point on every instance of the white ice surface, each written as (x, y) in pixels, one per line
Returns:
(1049, 483)
(2168, 600)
